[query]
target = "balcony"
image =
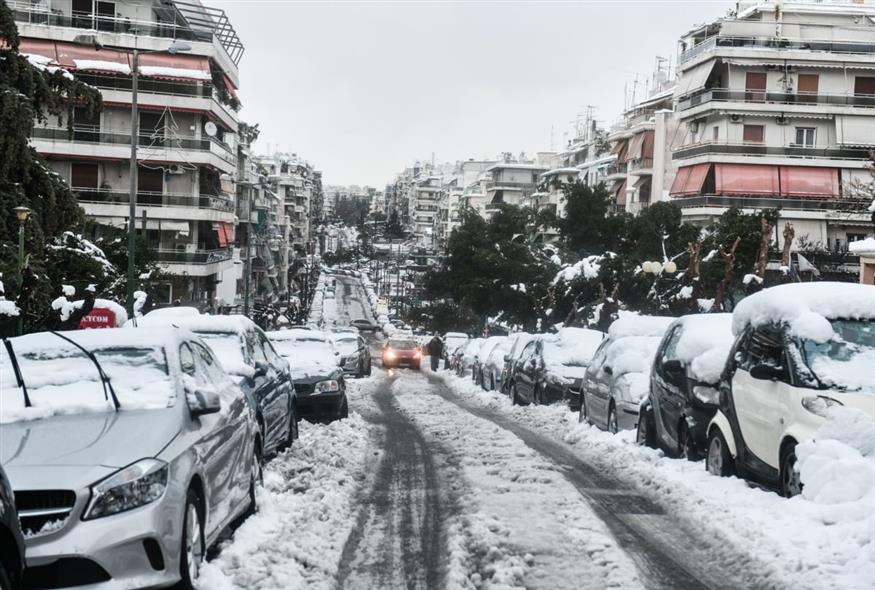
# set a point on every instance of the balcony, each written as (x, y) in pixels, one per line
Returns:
(500, 184)
(823, 46)
(791, 151)
(617, 168)
(782, 98)
(155, 148)
(796, 204)
(192, 257)
(155, 199)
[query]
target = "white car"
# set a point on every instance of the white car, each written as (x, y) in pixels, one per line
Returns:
(801, 349)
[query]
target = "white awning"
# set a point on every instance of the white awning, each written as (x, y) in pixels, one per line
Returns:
(693, 79)
(855, 130)
(758, 63)
(154, 224)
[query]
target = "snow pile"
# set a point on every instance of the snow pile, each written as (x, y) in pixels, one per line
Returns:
(8, 308)
(806, 307)
(307, 509)
(588, 268)
(165, 72)
(103, 66)
(863, 247)
(46, 64)
(639, 325)
(704, 344)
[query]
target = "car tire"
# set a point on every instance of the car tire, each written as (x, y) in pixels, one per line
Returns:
(491, 382)
(537, 396)
(192, 548)
(718, 460)
(686, 450)
(514, 401)
(613, 428)
(582, 413)
(645, 434)
(5, 581)
(344, 409)
(256, 480)
(369, 369)
(791, 485)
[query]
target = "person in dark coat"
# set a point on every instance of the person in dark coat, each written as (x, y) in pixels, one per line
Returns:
(435, 351)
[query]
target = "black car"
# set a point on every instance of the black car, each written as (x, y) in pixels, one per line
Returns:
(537, 377)
(355, 356)
(246, 353)
(11, 539)
(364, 325)
(682, 402)
(319, 380)
(518, 343)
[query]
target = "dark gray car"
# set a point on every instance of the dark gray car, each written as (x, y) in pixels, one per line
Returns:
(129, 452)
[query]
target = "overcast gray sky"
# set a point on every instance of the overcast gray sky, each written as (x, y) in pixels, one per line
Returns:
(363, 89)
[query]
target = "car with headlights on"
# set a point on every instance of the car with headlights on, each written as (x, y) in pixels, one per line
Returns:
(354, 354)
(401, 352)
(319, 380)
(250, 359)
(129, 452)
(11, 538)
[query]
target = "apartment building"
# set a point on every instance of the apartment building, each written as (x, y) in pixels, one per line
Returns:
(423, 209)
(511, 181)
(775, 105)
(187, 121)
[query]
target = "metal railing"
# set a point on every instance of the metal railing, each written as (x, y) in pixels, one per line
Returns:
(108, 196)
(790, 151)
(195, 257)
(502, 184)
(711, 43)
(618, 168)
(795, 203)
(790, 98)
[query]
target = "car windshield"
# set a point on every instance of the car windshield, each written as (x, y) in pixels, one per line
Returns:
(846, 361)
(346, 345)
(228, 346)
(60, 378)
(402, 344)
(306, 351)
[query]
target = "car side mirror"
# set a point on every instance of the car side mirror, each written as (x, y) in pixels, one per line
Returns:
(202, 401)
(765, 372)
(507, 358)
(260, 369)
(673, 367)
(608, 370)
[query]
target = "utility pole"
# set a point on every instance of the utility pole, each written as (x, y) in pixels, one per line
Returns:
(247, 272)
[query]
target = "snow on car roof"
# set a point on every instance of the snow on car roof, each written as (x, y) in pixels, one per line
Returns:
(806, 307)
(297, 334)
(704, 344)
(639, 325)
(154, 337)
(211, 324)
(572, 346)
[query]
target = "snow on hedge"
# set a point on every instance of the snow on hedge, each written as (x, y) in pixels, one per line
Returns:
(588, 268)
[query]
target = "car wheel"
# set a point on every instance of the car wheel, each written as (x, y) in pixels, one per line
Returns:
(257, 479)
(491, 382)
(537, 396)
(645, 434)
(5, 582)
(791, 484)
(718, 461)
(582, 413)
(514, 400)
(369, 369)
(344, 409)
(192, 542)
(612, 419)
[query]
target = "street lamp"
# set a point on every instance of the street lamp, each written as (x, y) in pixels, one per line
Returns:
(175, 47)
(22, 213)
(657, 268)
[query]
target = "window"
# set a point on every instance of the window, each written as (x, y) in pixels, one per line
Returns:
(715, 133)
(753, 133)
(864, 85)
(755, 85)
(763, 347)
(209, 366)
(670, 352)
(805, 136)
(807, 87)
(83, 175)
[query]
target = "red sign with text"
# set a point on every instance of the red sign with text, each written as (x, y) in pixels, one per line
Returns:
(97, 319)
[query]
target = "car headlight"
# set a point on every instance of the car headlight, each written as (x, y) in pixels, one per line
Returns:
(329, 386)
(820, 405)
(706, 394)
(134, 486)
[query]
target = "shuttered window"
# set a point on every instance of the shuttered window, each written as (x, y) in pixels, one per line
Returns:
(753, 133)
(83, 175)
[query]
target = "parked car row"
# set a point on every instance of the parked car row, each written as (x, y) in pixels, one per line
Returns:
(129, 451)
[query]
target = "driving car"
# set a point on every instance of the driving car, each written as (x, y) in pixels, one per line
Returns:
(617, 378)
(355, 356)
(801, 351)
(518, 343)
(11, 538)
(683, 384)
(319, 380)
(248, 356)
(129, 452)
(401, 352)
(364, 325)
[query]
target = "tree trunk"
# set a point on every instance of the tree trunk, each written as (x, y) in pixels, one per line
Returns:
(728, 264)
(789, 234)
(763, 258)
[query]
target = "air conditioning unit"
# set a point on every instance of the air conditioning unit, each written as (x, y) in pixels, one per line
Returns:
(175, 169)
(735, 118)
(782, 120)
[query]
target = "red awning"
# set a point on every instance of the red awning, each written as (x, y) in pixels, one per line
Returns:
(747, 179)
(802, 181)
(647, 145)
(230, 86)
(681, 177)
(620, 192)
(224, 233)
(38, 47)
(689, 180)
(80, 57)
(635, 147)
(175, 67)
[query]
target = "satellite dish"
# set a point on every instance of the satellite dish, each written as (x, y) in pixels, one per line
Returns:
(211, 128)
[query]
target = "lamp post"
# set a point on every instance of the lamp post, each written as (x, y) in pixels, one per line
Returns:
(175, 47)
(22, 213)
(657, 268)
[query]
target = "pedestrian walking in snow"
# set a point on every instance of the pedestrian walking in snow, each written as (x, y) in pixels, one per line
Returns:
(435, 351)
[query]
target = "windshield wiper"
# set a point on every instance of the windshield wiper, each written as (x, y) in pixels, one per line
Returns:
(17, 370)
(108, 390)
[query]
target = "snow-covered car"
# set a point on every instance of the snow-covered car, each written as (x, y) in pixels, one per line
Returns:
(452, 341)
(518, 343)
(355, 356)
(129, 451)
(617, 378)
(11, 538)
(683, 384)
(462, 359)
(477, 366)
(364, 325)
(319, 380)
(491, 368)
(552, 364)
(801, 350)
(247, 355)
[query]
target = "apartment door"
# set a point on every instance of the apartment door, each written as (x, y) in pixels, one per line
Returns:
(755, 87)
(807, 87)
(151, 128)
(150, 186)
(83, 178)
(864, 89)
(106, 16)
(86, 126)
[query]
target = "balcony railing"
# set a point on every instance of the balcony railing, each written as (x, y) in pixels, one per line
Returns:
(93, 134)
(618, 168)
(711, 43)
(499, 184)
(158, 86)
(725, 95)
(196, 257)
(797, 204)
(155, 199)
(790, 151)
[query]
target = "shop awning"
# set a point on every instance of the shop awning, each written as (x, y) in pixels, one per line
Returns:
(175, 67)
(855, 130)
(746, 179)
(804, 181)
(689, 180)
(693, 79)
